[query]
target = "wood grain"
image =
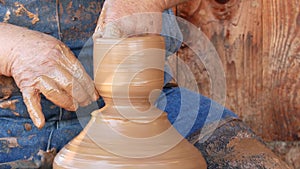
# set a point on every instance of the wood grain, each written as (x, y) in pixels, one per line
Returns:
(258, 42)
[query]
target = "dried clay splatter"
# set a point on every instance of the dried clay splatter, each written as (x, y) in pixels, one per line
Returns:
(7, 87)
(10, 104)
(27, 126)
(21, 9)
(16, 114)
(47, 157)
(12, 141)
(6, 16)
(6, 93)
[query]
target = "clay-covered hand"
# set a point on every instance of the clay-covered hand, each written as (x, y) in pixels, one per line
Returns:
(42, 64)
(120, 18)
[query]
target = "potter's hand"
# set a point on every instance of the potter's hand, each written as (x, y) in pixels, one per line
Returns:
(41, 64)
(121, 18)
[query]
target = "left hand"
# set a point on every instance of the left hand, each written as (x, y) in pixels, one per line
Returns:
(41, 64)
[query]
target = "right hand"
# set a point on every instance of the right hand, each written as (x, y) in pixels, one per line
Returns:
(42, 64)
(120, 18)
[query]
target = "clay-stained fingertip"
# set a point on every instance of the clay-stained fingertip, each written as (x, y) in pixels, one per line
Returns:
(38, 120)
(32, 102)
(39, 125)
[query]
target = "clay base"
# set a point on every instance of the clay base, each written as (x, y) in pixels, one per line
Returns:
(83, 152)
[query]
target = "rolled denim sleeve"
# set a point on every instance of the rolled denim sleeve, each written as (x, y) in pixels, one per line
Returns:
(171, 32)
(173, 39)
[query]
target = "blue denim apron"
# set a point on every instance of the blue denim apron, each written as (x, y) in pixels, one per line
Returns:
(22, 145)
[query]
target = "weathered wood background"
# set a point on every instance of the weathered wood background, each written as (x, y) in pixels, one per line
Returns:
(258, 42)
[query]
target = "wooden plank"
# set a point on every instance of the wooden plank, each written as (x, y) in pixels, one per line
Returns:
(258, 43)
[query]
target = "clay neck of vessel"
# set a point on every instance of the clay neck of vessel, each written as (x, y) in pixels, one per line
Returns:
(129, 72)
(138, 104)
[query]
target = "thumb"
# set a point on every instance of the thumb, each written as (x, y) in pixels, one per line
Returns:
(32, 100)
(110, 30)
(106, 25)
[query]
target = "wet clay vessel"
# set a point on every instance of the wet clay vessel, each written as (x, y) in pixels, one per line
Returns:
(129, 132)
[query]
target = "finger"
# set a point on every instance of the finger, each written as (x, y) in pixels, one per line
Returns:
(65, 81)
(111, 30)
(149, 23)
(106, 25)
(74, 67)
(101, 22)
(32, 101)
(85, 81)
(53, 93)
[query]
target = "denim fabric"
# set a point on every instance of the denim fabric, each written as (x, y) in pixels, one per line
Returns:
(189, 111)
